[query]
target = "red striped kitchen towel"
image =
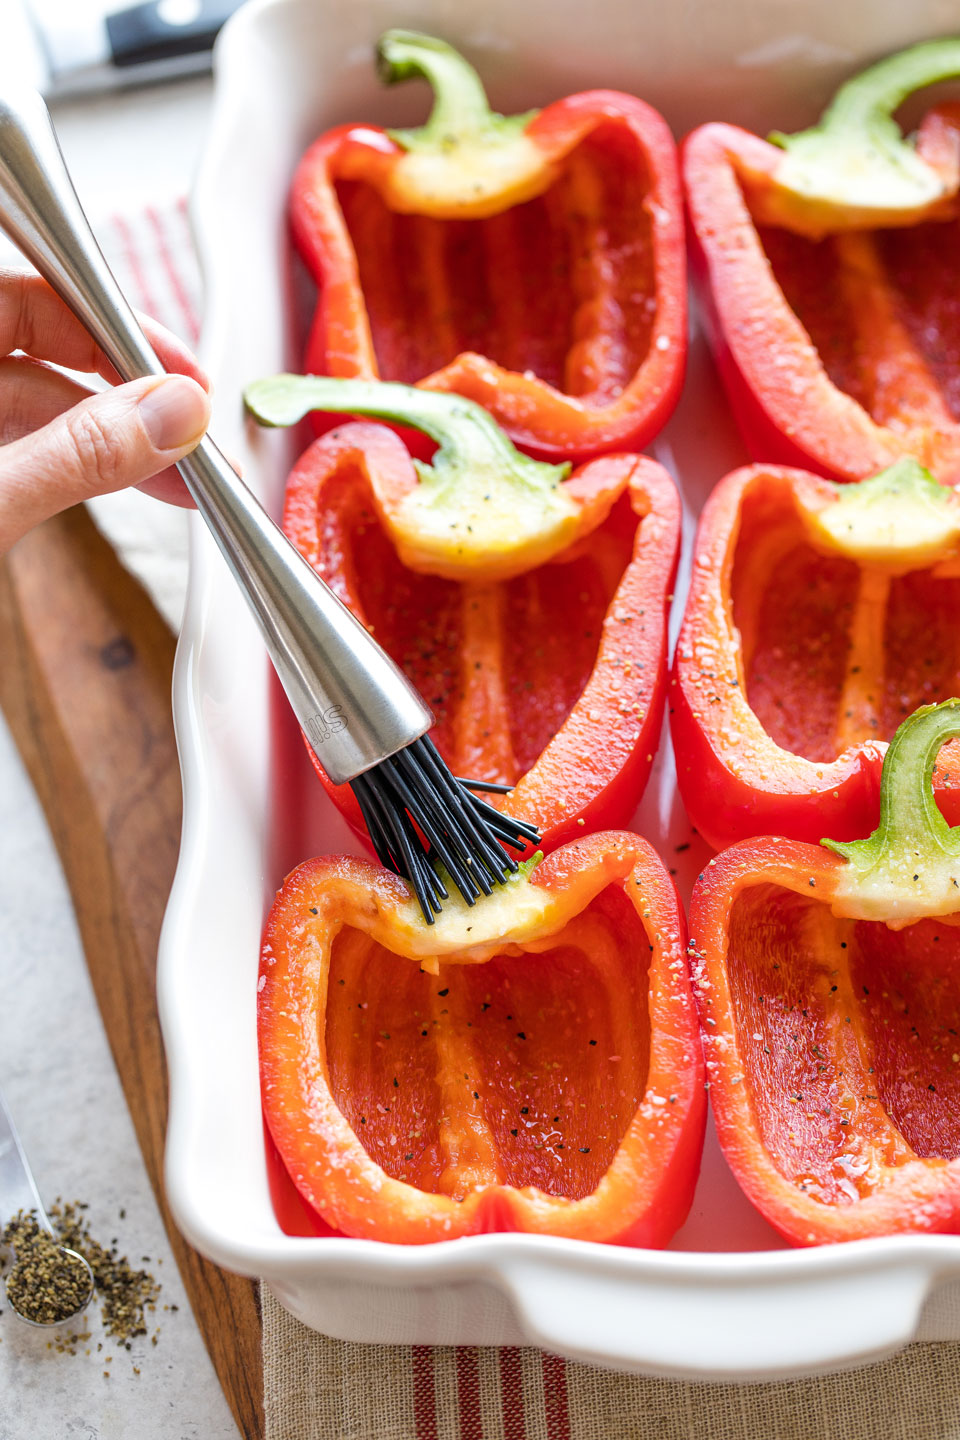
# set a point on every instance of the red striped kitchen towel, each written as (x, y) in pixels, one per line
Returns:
(151, 253)
(316, 1388)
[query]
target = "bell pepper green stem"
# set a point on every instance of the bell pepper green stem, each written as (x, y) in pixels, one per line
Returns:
(910, 866)
(867, 102)
(854, 169)
(481, 509)
(467, 436)
(460, 111)
(864, 106)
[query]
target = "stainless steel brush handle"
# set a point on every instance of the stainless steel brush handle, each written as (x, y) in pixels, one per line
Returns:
(352, 701)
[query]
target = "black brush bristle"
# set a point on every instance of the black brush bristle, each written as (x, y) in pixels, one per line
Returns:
(413, 795)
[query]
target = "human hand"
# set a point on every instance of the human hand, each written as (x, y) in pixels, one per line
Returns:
(60, 443)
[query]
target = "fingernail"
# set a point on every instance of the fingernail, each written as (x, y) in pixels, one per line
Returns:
(174, 413)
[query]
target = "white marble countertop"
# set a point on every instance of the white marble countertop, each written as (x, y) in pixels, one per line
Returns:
(55, 1065)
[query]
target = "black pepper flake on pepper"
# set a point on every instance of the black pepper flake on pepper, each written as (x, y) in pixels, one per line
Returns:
(521, 1035)
(584, 1149)
(396, 1083)
(444, 993)
(513, 1132)
(593, 1042)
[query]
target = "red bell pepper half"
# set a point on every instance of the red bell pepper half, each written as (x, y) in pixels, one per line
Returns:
(829, 995)
(527, 604)
(819, 616)
(829, 262)
(530, 1064)
(534, 263)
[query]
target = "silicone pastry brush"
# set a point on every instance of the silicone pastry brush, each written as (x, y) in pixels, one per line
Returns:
(366, 723)
(46, 1280)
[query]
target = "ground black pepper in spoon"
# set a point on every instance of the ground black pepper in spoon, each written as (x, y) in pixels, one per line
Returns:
(48, 1283)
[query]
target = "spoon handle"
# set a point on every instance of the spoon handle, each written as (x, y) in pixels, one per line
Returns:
(18, 1189)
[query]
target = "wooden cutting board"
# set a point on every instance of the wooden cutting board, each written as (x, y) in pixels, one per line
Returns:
(85, 667)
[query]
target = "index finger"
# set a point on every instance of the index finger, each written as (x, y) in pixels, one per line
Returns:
(35, 320)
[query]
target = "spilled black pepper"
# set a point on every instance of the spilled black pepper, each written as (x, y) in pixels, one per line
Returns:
(124, 1293)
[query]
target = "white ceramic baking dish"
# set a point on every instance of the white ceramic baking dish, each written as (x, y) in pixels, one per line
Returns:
(726, 1300)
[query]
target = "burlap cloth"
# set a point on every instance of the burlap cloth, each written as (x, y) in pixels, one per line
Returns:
(316, 1388)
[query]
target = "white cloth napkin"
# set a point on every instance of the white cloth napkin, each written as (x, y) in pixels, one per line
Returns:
(152, 255)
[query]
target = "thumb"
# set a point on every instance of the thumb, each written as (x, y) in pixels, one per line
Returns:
(116, 438)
